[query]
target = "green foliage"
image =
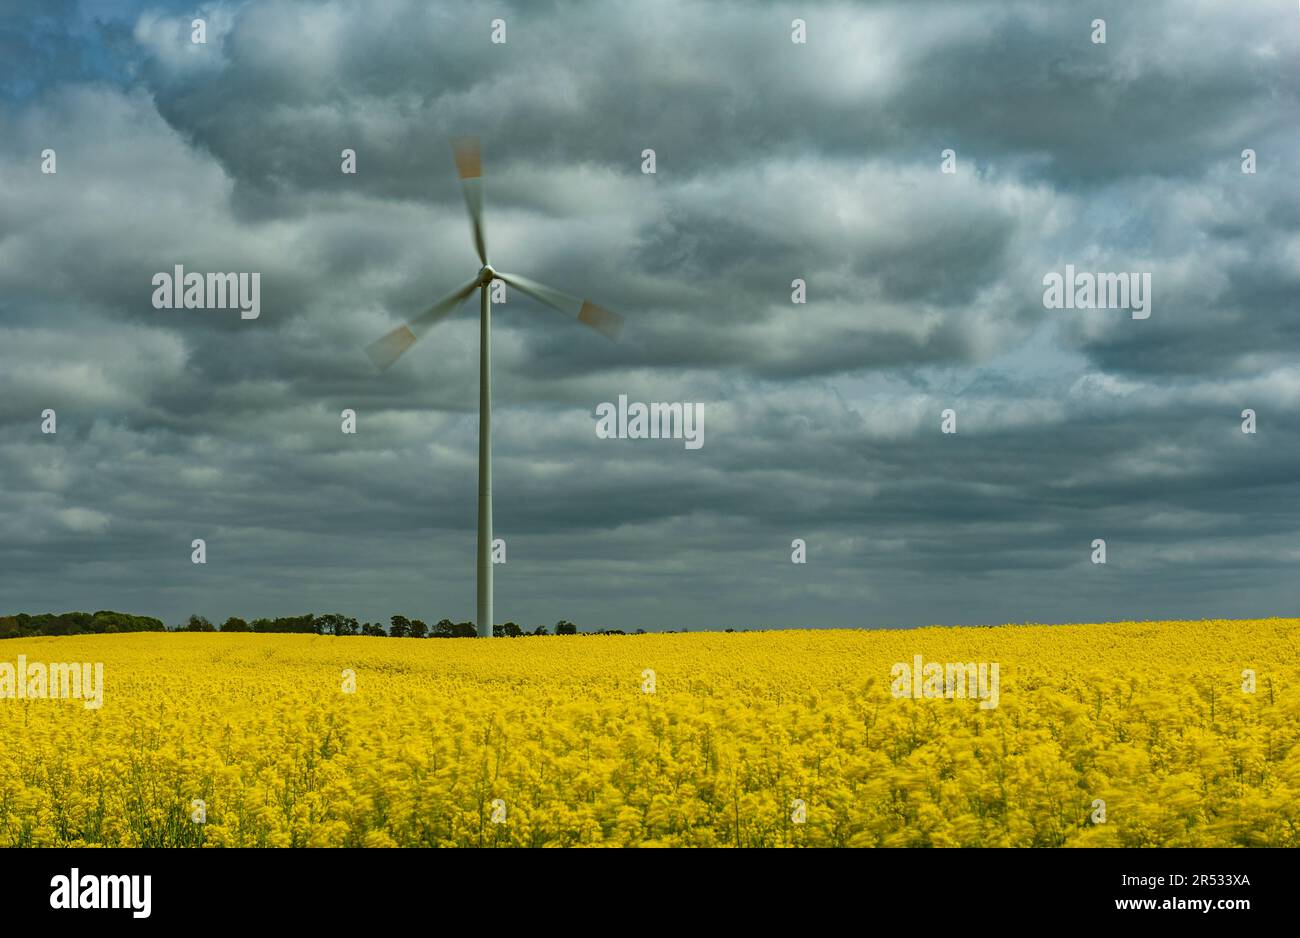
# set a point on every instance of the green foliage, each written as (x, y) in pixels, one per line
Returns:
(303, 623)
(105, 621)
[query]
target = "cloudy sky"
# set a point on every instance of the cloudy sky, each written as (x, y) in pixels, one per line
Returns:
(775, 161)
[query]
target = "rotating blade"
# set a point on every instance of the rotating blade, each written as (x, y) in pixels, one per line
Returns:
(605, 321)
(383, 352)
(469, 164)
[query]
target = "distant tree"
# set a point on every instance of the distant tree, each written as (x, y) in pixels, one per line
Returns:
(401, 627)
(373, 629)
(464, 630)
(110, 621)
(234, 624)
(507, 630)
(78, 622)
(198, 624)
(639, 632)
(55, 625)
(335, 623)
(541, 630)
(444, 629)
(304, 623)
(418, 629)
(565, 627)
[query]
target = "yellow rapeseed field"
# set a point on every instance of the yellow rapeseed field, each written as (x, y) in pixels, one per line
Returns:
(754, 739)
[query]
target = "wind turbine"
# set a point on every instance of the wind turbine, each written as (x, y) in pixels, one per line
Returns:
(385, 351)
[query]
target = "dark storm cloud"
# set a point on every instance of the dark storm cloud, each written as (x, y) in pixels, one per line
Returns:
(775, 162)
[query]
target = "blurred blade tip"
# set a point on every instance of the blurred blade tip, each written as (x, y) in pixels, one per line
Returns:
(389, 349)
(469, 157)
(605, 321)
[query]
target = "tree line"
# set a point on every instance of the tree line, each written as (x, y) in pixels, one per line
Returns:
(333, 623)
(76, 623)
(23, 625)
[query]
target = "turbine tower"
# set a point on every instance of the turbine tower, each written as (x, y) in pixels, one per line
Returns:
(385, 351)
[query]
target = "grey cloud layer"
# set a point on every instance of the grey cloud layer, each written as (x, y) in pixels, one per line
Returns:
(775, 161)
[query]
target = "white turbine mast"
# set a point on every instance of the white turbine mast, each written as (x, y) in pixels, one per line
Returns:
(469, 163)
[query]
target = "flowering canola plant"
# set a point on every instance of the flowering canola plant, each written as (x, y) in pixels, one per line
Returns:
(1130, 733)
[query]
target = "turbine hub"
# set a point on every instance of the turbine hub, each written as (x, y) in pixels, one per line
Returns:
(487, 274)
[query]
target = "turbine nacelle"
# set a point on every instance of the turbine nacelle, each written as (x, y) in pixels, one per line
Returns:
(487, 275)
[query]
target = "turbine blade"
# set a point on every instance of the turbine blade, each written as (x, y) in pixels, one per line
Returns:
(391, 347)
(469, 164)
(605, 321)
